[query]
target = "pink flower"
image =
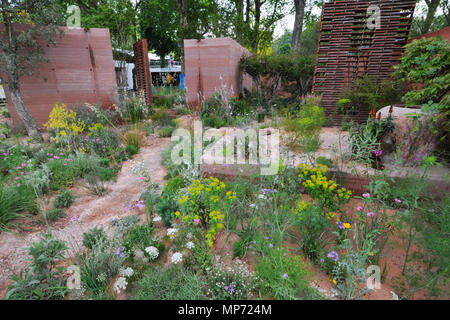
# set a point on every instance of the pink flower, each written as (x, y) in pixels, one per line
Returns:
(196, 221)
(359, 208)
(65, 164)
(370, 214)
(18, 185)
(366, 195)
(56, 157)
(398, 200)
(141, 178)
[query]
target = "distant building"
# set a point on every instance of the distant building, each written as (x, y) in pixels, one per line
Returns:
(160, 75)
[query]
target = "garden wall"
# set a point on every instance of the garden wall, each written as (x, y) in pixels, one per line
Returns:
(81, 69)
(211, 64)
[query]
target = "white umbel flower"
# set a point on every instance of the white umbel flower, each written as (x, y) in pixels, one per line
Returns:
(120, 284)
(128, 272)
(157, 219)
(171, 232)
(190, 245)
(152, 252)
(177, 258)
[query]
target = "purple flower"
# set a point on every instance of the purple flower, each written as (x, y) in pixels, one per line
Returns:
(270, 245)
(322, 260)
(398, 200)
(267, 238)
(333, 255)
(340, 225)
(74, 219)
(285, 275)
(120, 251)
(378, 152)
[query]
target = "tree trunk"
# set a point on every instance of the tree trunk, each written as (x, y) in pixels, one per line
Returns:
(298, 24)
(24, 114)
(240, 20)
(13, 78)
(255, 42)
(182, 12)
(432, 7)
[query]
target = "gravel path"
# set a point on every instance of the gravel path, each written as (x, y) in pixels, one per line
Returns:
(89, 210)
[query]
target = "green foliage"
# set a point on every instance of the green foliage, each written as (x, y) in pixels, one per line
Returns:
(99, 265)
(283, 276)
(427, 62)
(312, 224)
(366, 93)
(166, 209)
(174, 283)
(293, 71)
(54, 214)
(41, 280)
(136, 108)
(165, 132)
(173, 185)
(93, 236)
(12, 204)
(64, 199)
(131, 150)
(122, 226)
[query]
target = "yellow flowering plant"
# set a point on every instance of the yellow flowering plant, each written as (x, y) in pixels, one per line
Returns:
(319, 187)
(205, 206)
(64, 124)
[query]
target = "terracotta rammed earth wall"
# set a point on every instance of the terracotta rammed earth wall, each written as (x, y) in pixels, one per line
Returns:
(81, 69)
(211, 64)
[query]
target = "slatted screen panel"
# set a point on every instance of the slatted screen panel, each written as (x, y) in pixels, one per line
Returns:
(142, 66)
(348, 48)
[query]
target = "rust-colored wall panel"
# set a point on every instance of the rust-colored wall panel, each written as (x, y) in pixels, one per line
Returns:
(347, 49)
(211, 63)
(81, 69)
(142, 65)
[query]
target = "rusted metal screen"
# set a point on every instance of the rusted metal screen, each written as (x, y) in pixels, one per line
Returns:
(142, 66)
(81, 69)
(348, 48)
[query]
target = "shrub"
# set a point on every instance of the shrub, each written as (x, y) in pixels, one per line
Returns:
(122, 226)
(100, 265)
(54, 214)
(166, 209)
(131, 150)
(170, 284)
(11, 205)
(136, 108)
(312, 224)
(41, 280)
(106, 174)
(134, 138)
(165, 132)
(173, 185)
(230, 283)
(366, 93)
(93, 236)
(64, 199)
(283, 276)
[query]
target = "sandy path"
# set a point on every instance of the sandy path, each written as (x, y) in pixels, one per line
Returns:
(90, 210)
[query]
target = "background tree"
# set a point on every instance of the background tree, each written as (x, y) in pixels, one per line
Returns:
(429, 16)
(158, 23)
(21, 48)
